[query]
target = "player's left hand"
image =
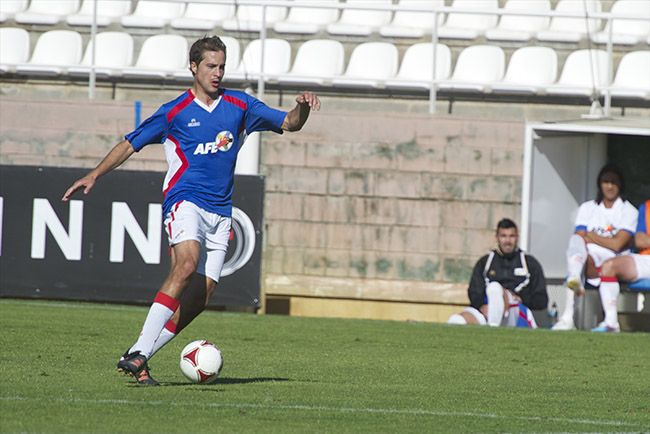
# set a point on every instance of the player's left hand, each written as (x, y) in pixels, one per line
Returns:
(309, 99)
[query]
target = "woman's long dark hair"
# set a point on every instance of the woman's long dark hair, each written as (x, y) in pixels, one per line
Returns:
(610, 172)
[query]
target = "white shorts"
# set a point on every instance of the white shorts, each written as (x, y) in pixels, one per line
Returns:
(599, 253)
(186, 221)
(642, 263)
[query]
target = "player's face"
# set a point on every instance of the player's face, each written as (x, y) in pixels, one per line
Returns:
(209, 72)
(610, 190)
(507, 239)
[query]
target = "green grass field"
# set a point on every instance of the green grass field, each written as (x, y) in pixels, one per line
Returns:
(286, 375)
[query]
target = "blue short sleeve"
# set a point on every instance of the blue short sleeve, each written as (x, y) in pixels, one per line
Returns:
(642, 225)
(260, 117)
(152, 130)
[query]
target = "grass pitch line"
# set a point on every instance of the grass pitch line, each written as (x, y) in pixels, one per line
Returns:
(413, 412)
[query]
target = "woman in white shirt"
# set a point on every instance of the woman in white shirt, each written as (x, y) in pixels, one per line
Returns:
(604, 228)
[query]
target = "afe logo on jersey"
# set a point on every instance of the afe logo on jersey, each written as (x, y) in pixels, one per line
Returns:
(223, 142)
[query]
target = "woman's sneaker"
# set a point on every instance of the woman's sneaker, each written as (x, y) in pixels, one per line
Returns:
(564, 324)
(604, 328)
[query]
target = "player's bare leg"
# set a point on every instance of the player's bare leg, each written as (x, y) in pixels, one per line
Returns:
(183, 265)
(193, 301)
(619, 268)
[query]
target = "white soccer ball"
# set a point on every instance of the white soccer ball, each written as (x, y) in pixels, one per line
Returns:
(201, 362)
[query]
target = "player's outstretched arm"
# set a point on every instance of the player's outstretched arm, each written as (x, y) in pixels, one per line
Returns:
(118, 155)
(297, 117)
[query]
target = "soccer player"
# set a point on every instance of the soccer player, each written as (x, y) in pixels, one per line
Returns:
(505, 285)
(627, 268)
(603, 229)
(202, 131)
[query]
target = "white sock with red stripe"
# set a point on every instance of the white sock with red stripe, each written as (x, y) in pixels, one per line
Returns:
(609, 290)
(166, 334)
(161, 311)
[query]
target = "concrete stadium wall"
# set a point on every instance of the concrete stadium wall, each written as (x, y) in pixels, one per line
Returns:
(381, 207)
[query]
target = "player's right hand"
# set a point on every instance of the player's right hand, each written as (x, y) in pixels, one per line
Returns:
(87, 183)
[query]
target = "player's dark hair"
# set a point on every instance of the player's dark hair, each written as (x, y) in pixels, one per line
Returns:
(207, 43)
(506, 223)
(610, 173)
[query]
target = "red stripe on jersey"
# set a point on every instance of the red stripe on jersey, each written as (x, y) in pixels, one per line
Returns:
(236, 101)
(182, 169)
(608, 279)
(181, 105)
(169, 302)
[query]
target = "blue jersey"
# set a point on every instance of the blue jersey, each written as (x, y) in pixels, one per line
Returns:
(201, 144)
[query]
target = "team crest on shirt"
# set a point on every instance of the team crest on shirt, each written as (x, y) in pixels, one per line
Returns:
(223, 142)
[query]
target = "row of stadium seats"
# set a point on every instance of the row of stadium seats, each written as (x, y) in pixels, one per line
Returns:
(321, 62)
(352, 22)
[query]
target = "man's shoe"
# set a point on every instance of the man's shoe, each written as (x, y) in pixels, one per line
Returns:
(604, 328)
(135, 365)
(144, 377)
(132, 363)
(564, 324)
(574, 283)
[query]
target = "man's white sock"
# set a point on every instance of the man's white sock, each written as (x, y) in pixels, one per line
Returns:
(569, 305)
(576, 255)
(166, 334)
(609, 290)
(496, 305)
(160, 312)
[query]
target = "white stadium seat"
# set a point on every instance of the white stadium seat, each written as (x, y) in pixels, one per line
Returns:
(277, 60)
(530, 71)
(317, 62)
(469, 26)
(203, 16)
(9, 8)
(519, 27)
(153, 14)
(14, 48)
(627, 32)
(108, 11)
(47, 12)
(633, 76)
(566, 29)
(476, 67)
(407, 24)
(583, 69)
(54, 52)
(160, 57)
(370, 65)
(416, 69)
(113, 53)
(361, 22)
(233, 56)
(249, 18)
(308, 21)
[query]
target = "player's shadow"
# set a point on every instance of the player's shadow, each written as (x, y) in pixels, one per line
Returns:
(231, 380)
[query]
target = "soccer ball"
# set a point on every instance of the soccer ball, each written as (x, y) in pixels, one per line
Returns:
(201, 362)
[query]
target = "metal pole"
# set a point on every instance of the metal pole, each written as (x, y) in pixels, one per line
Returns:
(93, 34)
(260, 80)
(434, 40)
(610, 68)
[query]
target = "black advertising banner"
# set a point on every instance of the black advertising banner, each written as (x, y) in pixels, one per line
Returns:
(110, 245)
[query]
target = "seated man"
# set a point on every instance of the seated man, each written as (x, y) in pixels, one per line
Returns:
(604, 228)
(505, 284)
(627, 268)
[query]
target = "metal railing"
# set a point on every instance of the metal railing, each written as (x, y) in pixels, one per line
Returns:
(598, 90)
